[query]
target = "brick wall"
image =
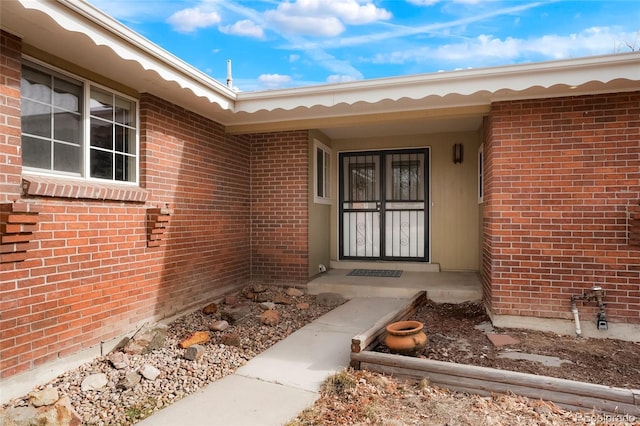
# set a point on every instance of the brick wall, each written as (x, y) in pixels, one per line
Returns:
(90, 274)
(486, 267)
(279, 210)
(10, 157)
(562, 176)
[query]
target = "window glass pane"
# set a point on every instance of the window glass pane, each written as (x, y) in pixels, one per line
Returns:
(125, 112)
(36, 153)
(101, 104)
(320, 172)
(101, 134)
(101, 164)
(68, 127)
(35, 85)
(67, 157)
(54, 130)
(113, 130)
(327, 174)
(36, 118)
(125, 168)
(125, 140)
(67, 95)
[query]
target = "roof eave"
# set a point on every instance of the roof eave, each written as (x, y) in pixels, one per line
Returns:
(555, 78)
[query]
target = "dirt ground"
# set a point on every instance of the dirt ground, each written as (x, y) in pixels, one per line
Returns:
(366, 398)
(362, 397)
(453, 337)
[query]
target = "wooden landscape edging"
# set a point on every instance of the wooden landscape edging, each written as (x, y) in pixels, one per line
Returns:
(570, 394)
(373, 336)
(485, 381)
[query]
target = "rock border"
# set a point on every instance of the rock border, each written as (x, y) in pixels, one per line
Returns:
(569, 394)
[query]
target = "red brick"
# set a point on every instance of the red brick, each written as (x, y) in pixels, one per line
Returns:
(583, 186)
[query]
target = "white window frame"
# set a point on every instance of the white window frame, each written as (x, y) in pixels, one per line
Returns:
(325, 198)
(481, 174)
(85, 175)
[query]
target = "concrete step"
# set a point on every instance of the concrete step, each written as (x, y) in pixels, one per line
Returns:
(441, 287)
(402, 266)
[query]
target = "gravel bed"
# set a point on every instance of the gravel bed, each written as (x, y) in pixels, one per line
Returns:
(180, 377)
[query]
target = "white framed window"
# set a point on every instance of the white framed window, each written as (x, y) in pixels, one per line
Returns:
(322, 173)
(73, 127)
(481, 174)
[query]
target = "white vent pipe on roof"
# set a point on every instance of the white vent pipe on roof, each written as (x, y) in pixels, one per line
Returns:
(229, 78)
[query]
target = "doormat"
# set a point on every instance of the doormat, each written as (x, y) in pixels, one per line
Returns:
(385, 273)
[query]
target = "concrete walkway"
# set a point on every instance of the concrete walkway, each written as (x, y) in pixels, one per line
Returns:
(273, 387)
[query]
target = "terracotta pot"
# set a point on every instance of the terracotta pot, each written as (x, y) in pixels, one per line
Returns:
(405, 337)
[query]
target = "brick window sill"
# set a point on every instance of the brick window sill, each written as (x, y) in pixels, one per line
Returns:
(45, 186)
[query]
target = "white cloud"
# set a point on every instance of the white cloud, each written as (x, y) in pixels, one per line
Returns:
(433, 2)
(294, 58)
(489, 49)
(273, 81)
(340, 78)
(189, 20)
(244, 28)
(325, 18)
(319, 26)
(423, 2)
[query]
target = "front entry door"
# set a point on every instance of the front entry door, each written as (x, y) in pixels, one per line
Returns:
(384, 205)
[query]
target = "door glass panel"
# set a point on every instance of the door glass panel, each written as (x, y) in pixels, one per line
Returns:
(404, 233)
(406, 180)
(361, 206)
(384, 205)
(405, 205)
(361, 237)
(362, 181)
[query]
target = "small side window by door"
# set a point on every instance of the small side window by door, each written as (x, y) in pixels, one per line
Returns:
(322, 173)
(481, 174)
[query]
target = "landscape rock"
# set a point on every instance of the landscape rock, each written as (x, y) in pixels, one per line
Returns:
(195, 339)
(194, 353)
(231, 299)
(265, 306)
(115, 405)
(302, 306)
(236, 314)
(129, 381)
(59, 414)
(210, 309)
(94, 382)
(258, 288)
(270, 317)
(294, 292)
(46, 396)
(231, 339)
(282, 299)
(121, 344)
(119, 360)
(220, 325)
(261, 297)
(24, 415)
(149, 338)
(149, 372)
(330, 299)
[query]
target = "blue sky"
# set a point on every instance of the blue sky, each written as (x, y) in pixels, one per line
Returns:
(277, 44)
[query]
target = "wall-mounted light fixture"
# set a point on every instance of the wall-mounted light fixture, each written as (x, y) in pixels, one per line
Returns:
(457, 153)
